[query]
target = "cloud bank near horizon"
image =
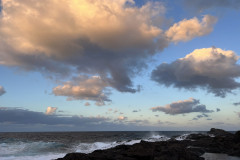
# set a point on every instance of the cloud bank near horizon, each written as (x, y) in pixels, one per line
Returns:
(13, 119)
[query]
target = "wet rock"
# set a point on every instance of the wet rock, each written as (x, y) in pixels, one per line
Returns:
(219, 132)
(237, 137)
(190, 149)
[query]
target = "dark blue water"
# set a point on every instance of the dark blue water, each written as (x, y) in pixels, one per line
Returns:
(44, 146)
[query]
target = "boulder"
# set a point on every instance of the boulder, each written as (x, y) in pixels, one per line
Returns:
(219, 132)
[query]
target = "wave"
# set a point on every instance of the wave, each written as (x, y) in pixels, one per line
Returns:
(36, 157)
(39, 150)
(90, 147)
(182, 137)
(30, 148)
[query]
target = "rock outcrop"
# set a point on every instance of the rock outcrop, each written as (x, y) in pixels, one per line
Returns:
(216, 141)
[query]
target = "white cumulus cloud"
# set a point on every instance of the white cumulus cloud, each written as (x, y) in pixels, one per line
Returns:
(186, 30)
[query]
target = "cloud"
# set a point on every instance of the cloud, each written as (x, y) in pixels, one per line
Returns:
(87, 104)
(236, 104)
(15, 119)
(201, 116)
(121, 118)
(22, 116)
(84, 88)
(51, 110)
(110, 39)
(113, 111)
(182, 107)
(218, 110)
(99, 103)
(2, 90)
(136, 110)
(165, 123)
(212, 69)
(201, 5)
(107, 38)
(217, 123)
(186, 30)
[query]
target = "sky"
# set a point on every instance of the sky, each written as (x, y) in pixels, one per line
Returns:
(119, 65)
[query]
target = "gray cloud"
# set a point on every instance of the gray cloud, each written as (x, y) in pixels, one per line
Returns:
(166, 123)
(139, 110)
(212, 69)
(236, 104)
(217, 123)
(17, 119)
(218, 109)
(2, 90)
(203, 115)
(201, 5)
(21, 116)
(182, 107)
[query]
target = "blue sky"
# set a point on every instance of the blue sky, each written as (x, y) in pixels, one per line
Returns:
(119, 65)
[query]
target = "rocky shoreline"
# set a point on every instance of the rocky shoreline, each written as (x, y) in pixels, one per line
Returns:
(195, 145)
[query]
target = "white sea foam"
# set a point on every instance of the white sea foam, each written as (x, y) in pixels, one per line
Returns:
(36, 157)
(30, 151)
(182, 137)
(40, 150)
(211, 135)
(157, 138)
(90, 147)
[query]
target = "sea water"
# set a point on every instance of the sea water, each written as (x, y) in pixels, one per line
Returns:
(53, 145)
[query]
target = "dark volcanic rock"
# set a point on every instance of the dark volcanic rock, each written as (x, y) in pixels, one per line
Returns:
(219, 132)
(237, 137)
(191, 149)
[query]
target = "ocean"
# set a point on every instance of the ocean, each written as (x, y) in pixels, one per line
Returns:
(52, 145)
